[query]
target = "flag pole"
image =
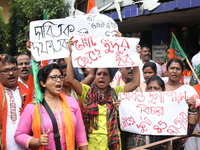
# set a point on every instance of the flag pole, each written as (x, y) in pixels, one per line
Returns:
(175, 45)
(38, 93)
(45, 17)
(192, 70)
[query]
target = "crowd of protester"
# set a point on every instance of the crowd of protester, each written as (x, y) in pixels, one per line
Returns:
(79, 109)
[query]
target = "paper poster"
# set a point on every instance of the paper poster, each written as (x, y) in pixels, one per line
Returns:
(154, 113)
(104, 52)
(49, 37)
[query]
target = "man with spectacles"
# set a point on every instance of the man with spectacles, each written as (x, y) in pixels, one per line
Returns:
(11, 101)
(24, 67)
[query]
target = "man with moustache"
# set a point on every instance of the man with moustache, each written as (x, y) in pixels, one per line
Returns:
(125, 77)
(24, 67)
(145, 55)
(11, 93)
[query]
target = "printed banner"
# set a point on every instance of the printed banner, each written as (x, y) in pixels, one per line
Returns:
(154, 113)
(49, 37)
(104, 52)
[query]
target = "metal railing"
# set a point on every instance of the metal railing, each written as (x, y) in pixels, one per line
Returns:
(168, 143)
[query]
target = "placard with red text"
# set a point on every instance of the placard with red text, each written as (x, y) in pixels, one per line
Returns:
(104, 52)
(154, 113)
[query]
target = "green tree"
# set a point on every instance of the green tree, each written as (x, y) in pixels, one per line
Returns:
(3, 33)
(24, 11)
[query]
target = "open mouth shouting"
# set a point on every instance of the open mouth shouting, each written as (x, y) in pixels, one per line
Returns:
(101, 83)
(58, 87)
(11, 78)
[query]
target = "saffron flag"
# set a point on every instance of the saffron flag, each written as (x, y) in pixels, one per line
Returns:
(174, 44)
(92, 7)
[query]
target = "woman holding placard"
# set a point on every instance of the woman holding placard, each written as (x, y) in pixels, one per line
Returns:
(153, 84)
(99, 116)
(156, 84)
(175, 70)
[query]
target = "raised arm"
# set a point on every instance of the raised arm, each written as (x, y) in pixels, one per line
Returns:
(118, 34)
(28, 47)
(70, 71)
(131, 86)
(90, 78)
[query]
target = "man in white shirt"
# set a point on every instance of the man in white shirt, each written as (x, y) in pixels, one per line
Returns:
(145, 55)
(10, 103)
(24, 67)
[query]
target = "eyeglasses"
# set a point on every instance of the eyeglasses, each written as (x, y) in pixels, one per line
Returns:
(55, 77)
(7, 71)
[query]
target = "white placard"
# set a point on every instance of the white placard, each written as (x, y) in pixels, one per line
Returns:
(49, 37)
(102, 51)
(158, 53)
(100, 24)
(154, 113)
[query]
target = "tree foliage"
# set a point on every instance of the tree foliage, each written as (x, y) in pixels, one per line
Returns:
(33, 9)
(3, 33)
(24, 11)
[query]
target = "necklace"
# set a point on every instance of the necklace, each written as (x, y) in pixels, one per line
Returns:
(54, 109)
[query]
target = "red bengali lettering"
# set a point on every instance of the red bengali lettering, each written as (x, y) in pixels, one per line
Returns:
(124, 96)
(143, 124)
(127, 121)
(82, 61)
(181, 120)
(177, 97)
(143, 108)
(110, 46)
(125, 44)
(156, 97)
(172, 130)
(125, 60)
(180, 96)
(93, 55)
(159, 111)
(85, 42)
(160, 127)
(133, 96)
(140, 97)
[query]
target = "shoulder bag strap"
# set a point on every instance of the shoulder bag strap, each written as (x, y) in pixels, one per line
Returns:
(54, 123)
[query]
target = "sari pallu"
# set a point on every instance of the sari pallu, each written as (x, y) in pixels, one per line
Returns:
(68, 121)
(91, 112)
